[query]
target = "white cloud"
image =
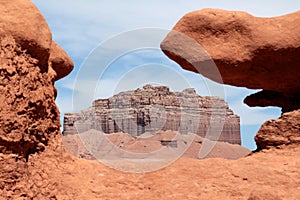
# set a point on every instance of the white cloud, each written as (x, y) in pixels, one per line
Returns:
(81, 25)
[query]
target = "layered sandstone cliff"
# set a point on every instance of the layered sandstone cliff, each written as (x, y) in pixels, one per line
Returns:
(155, 108)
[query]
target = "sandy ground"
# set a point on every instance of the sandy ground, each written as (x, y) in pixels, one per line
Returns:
(96, 145)
(271, 174)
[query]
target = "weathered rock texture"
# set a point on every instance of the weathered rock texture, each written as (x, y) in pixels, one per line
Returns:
(34, 165)
(29, 118)
(152, 109)
(21, 20)
(252, 52)
(282, 131)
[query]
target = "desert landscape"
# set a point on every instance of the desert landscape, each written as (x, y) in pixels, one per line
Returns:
(252, 52)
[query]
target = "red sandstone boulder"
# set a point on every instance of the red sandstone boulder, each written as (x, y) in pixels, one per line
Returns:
(252, 52)
(29, 120)
(60, 61)
(29, 117)
(21, 20)
(285, 130)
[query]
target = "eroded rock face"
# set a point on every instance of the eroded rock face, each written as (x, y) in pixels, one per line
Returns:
(282, 131)
(152, 109)
(29, 118)
(252, 52)
(21, 20)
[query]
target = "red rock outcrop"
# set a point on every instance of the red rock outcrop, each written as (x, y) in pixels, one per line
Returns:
(21, 20)
(252, 52)
(35, 166)
(60, 62)
(29, 118)
(282, 131)
(247, 51)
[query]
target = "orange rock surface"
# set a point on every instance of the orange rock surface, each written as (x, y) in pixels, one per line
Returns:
(236, 48)
(34, 164)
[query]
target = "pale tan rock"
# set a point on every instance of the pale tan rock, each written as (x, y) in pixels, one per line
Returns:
(155, 108)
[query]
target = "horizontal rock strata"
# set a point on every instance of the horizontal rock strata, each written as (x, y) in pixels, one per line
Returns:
(152, 109)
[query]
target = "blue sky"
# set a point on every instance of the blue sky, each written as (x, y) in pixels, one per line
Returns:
(81, 26)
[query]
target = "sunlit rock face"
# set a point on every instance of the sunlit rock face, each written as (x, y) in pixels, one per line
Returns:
(252, 52)
(155, 108)
(282, 131)
(30, 62)
(248, 51)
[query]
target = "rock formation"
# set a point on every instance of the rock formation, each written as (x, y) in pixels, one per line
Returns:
(152, 109)
(28, 28)
(282, 131)
(60, 62)
(252, 52)
(35, 166)
(258, 53)
(29, 118)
